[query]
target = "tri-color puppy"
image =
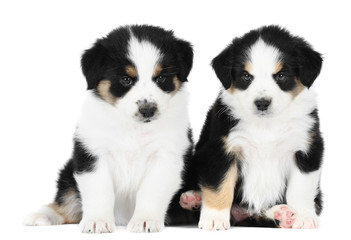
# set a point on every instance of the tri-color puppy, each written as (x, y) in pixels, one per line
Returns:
(260, 151)
(132, 137)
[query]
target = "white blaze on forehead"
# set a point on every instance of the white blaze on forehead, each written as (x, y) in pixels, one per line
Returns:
(145, 56)
(263, 58)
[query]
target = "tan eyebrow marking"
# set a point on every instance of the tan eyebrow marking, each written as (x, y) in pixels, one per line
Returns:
(248, 67)
(277, 67)
(131, 71)
(157, 70)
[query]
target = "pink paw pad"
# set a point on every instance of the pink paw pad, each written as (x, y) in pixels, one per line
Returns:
(190, 200)
(285, 216)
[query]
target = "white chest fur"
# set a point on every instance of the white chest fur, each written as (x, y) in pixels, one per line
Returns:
(131, 149)
(267, 149)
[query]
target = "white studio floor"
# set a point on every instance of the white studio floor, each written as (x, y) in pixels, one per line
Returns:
(72, 232)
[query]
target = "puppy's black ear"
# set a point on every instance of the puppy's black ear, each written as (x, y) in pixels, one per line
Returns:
(185, 58)
(93, 64)
(222, 68)
(310, 64)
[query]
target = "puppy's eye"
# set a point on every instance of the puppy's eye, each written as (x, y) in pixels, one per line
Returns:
(247, 77)
(126, 81)
(160, 79)
(280, 76)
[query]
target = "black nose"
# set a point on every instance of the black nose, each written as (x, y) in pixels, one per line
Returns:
(147, 111)
(262, 104)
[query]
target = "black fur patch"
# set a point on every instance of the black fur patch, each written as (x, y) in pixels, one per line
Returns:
(306, 62)
(167, 75)
(210, 156)
(312, 160)
(229, 64)
(83, 160)
(65, 182)
(289, 83)
(107, 56)
(318, 202)
(80, 162)
(258, 221)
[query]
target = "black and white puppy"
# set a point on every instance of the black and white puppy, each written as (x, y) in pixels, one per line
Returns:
(132, 136)
(260, 150)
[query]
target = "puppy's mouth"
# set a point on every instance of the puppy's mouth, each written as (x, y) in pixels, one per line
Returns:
(141, 119)
(263, 114)
(147, 120)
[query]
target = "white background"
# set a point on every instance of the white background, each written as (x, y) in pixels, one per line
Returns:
(42, 89)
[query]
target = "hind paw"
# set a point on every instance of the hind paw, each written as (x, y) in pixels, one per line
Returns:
(37, 219)
(191, 200)
(284, 214)
(44, 217)
(290, 218)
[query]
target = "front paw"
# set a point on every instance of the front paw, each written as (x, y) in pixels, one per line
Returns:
(97, 226)
(212, 219)
(145, 225)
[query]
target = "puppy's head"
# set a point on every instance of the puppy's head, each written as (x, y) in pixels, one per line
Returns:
(138, 69)
(266, 69)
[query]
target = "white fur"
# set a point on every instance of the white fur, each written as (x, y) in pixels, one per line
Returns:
(301, 192)
(139, 164)
(213, 219)
(96, 189)
(268, 143)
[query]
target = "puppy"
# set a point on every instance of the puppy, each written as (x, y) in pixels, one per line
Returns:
(132, 136)
(260, 151)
